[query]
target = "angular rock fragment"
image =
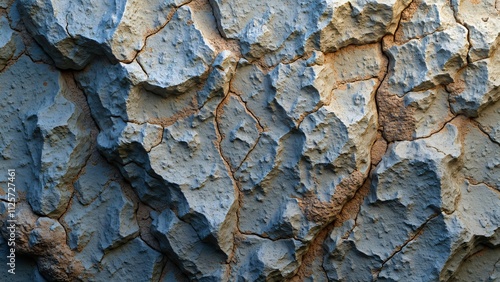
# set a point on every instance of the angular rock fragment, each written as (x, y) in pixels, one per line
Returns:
(421, 64)
(71, 46)
(64, 149)
(176, 57)
(95, 176)
(69, 33)
(189, 161)
(313, 140)
(298, 89)
(129, 38)
(429, 109)
(483, 22)
(476, 87)
(447, 240)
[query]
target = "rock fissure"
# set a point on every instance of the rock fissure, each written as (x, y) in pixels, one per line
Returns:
(227, 141)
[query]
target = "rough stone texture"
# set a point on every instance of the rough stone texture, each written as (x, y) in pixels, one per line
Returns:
(212, 140)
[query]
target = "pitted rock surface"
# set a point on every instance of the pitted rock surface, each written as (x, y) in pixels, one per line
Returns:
(210, 140)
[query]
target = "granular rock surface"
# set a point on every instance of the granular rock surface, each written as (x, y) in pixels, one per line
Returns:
(213, 140)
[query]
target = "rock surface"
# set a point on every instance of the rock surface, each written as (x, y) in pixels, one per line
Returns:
(212, 140)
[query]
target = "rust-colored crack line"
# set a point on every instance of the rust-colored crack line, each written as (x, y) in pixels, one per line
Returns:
(480, 127)
(170, 15)
(361, 194)
(218, 112)
(87, 158)
(316, 246)
(164, 267)
(67, 29)
(260, 128)
(398, 249)
(12, 60)
(314, 251)
(159, 141)
(141, 66)
(439, 130)
(248, 153)
(323, 233)
(260, 63)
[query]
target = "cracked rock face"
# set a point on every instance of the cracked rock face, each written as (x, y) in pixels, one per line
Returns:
(212, 140)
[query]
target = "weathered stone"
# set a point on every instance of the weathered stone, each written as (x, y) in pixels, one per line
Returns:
(239, 131)
(354, 63)
(217, 84)
(259, 259)
(134, 260)
(44, 239)
(7, 43)
(448, 239)
(96, 175)
(476, 87)
(111, 209)
(422, 18)
(54, 125)
(266, 27)
(429, 109)
(173, 273)
(130, 37)
(191, 163)
(392, 215)
(49, 24)
(483, 22)
(64, 150)
(481, 162)
(179, 45)
(489, 121)
(421, 64)
(199, 259)
(313, 140)
(481, 265)
(358, 22)
(71, 36)
(298, 91)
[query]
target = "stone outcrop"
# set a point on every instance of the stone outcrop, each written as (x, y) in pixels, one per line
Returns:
(211, 140)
